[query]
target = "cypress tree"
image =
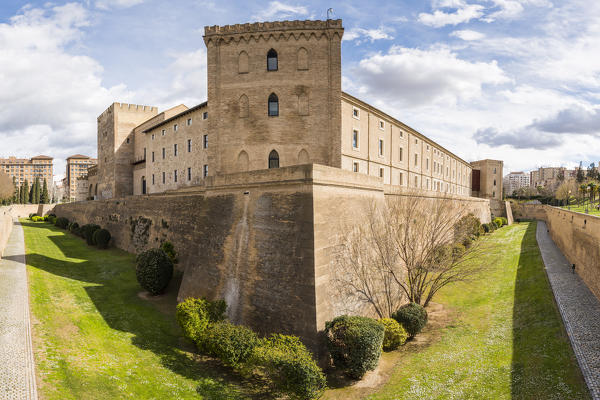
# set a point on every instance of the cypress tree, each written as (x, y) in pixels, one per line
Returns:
(37, 192)
(24, 192)
(31, 190)
(44, 197)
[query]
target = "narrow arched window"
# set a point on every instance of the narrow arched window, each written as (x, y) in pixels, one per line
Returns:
(273, 105)
(302, 59)
(273, 159)
(243, 106)
(272, 60)
(243, 62)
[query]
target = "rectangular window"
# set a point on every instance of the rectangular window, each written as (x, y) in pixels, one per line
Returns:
(152, 156)
(175, 149)
(153, 136)
(189, 174)
(381, 147)
(175, 176)
(205, 115)
(153, 179)
(205, 141)
(163, 132)
(205, 170)
(355, 167)
(416, 141)
(189, 121)
(427, 164)
(175, 128)
(354, 139)
(400, 179)
(189, 145)
(400, 154)
(416, 160)
(163, 153)
(401, 134)
(356, 113)
(163, 176)
(381, 172)
(416, 182)
(381, 124)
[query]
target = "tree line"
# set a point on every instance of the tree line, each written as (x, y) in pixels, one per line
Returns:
(12, 193)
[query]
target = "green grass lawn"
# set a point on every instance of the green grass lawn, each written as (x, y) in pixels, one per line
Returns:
(95, 338)
(500, 337)
(503, 337)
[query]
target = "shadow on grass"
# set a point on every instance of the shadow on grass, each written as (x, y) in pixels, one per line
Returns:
(543, 364)
(115, 293)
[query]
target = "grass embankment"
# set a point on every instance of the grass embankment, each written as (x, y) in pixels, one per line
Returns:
(95, 338)
(500, 337)
(591, 208)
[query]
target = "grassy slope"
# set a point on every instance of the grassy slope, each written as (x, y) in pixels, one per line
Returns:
(95, 338)
(508, 340)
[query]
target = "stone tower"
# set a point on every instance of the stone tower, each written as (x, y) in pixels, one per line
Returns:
(115, 147)
(274, 91)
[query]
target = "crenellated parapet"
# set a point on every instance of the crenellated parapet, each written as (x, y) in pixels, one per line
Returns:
(278, 30)
(132, 108)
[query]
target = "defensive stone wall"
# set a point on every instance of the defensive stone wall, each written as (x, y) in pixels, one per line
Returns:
(8, 213)
(6, 223)
(263, 240)
(578, 237)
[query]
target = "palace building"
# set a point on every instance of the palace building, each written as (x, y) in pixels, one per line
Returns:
(274, 100)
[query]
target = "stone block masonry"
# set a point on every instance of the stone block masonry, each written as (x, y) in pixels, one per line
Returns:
(262, 240)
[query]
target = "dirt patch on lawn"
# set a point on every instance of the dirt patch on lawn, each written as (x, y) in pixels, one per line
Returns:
(344, 388)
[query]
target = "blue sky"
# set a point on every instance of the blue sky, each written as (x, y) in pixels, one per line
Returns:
(517, 80)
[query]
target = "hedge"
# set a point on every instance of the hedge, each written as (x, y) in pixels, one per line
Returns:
(101, 238)
(498, 221)
(62, 222)
(87, 232)
(289, 364)
(412, 316)
(354, 343)
(232, 344)
(192, 317)
(395, 334)
(153, 270)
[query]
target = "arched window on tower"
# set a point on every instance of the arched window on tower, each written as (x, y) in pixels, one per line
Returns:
(273, 105)
(243, 63)
(243, 106)
(273, 159)
(272, 60)
(302, 59)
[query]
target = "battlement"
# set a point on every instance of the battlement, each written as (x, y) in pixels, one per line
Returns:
(272, 26)
(135, 108)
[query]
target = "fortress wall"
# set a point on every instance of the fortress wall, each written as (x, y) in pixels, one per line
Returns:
(7, 213)
(576, 234)
(262, 240)
(6, 224)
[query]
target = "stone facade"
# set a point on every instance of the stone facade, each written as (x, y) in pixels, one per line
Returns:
(262, 240)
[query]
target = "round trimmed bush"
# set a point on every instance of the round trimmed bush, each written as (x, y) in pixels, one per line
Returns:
(88, 232)
(33, 215)
(101, 238)
(289, 364)
(412, 316)
(504, 221)
(62, 222)
(232, 344)
(395, 335)
(154, 270)
(498, 221)
(354, 343)
(192, 318)
(74, 228)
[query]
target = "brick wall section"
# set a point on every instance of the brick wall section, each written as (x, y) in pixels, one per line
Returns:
(577, 235)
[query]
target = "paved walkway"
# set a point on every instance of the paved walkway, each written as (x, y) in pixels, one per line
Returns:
(17, 370)
(579, 308)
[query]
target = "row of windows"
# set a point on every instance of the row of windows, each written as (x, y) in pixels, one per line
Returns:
(273, 60)
(176, 126)
(176, 176)
(176, 148)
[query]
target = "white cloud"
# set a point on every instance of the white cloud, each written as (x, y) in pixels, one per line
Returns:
(109, 4)
(414, 77)
(48, 95)
(278, 10)
(360, 35)
(468, 35)
(464, 13)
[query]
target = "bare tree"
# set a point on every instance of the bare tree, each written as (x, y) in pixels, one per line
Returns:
(407, 249)
(7, 189)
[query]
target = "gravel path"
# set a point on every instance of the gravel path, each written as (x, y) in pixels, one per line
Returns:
(17, 369)
(579, 308)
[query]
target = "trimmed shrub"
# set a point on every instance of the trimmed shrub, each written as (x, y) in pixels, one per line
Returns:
(168, 248)
(87, 231)
(486, 228)
(62, 222)
(469, 225)
(395, 335)
(153, 270)
(74, 228)
(51, 215)
(498, 222)
(412, 317)
(192, 318)
(232, 344)
(51, 219)
(37, 218)
(289, 364)
(354, 343)
(504, 221)
(33, 215)
(216, 310)
(101, 238)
